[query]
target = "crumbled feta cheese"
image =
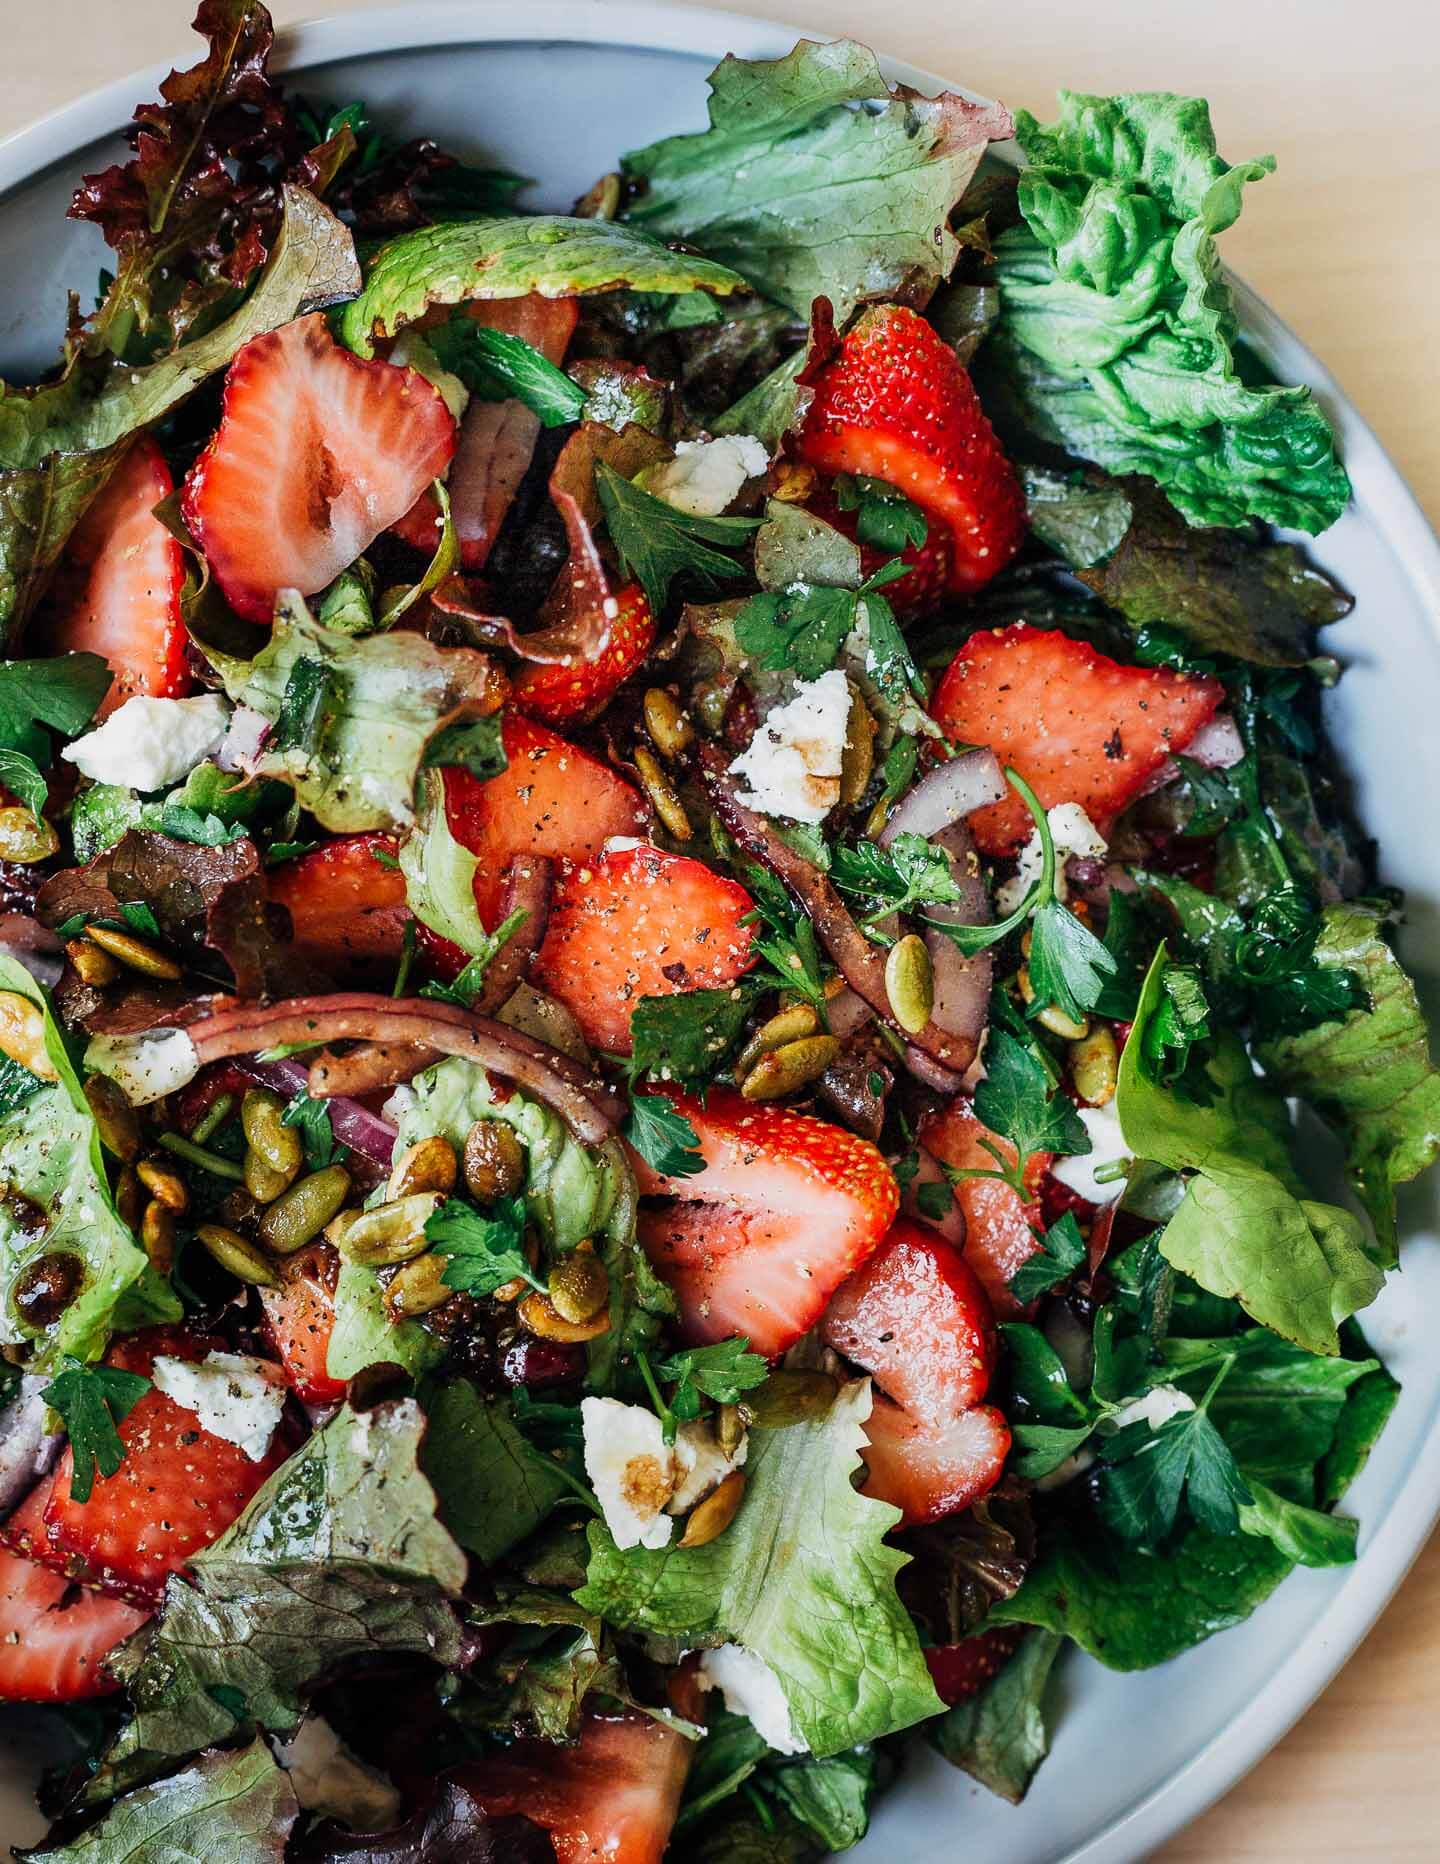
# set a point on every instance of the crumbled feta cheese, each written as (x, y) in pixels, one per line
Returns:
(705, 475)
(334, 1783)
(244, 737)
(148, 744)
(1157, 1407)
(1073, 833)
(702, 1464)
(752, 1689)
(1107, 1147)
(233, 1397)
(631, 1469)
(622, 844)
(146, 1066)
(411, 351)
(792, 764)
(1067, 1471)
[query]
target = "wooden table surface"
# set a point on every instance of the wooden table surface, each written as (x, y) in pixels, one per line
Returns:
(1344, 241)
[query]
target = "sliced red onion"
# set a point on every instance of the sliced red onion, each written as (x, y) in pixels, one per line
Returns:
(27, 1450)
(353, 1125)
(947, 793)
(527, 886)
(1217, 745)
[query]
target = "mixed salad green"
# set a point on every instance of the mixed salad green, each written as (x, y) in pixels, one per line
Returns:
(672, 879)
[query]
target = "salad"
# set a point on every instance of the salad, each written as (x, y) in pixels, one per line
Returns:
(671, 886)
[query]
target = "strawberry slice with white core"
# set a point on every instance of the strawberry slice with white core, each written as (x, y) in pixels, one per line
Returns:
(1000, 1226)
(317, 452)
(127, 609)
(928, 1471)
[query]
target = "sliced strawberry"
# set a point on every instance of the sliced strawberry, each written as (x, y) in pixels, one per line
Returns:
(300, 1317)
(1080, 728)
(640, 923)
(496, 441)
(610, 1799)
(786, 1207)
(177, 1490)
(561, 695)
(55, 1636)
(931, 1470)
(127, 607)
(897, 404)
(999, 1227)
(346, 900)
(318, 451)
(962, 1670)
(24, 1532)
(553, 800)
(916, 1317)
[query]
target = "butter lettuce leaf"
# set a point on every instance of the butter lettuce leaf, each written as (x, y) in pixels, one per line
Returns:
(1370, 1073)
(50, 1158)
(495, 1488)
(1244, 1230)
(802, 1577)
(1117, 337)
(559, 257)
(364, 1334)
(810, 191)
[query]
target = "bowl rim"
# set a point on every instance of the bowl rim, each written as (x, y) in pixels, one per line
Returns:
(1381, 494)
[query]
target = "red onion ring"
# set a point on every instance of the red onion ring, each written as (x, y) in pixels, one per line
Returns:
(353, 1125)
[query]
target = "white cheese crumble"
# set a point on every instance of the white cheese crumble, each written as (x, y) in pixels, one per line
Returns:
(1157, 1408)
(244, 738)
(1073, 833)
(411, 351)
(705, 475)
(752, 1689)
(233, 1397)
(792, 764)
(147, 1066)
(631, 1468)
(334, 1783)
(148, 744)
(1107, 1147)
(702, 1465)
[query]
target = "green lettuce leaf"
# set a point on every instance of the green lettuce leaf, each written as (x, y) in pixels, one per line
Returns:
(802, 1577)
(509, 258)
(1000, 1736)
(50, 1156)
(1308, 1536)
(1117, 336)
(353, 756)
(1242, 1230)
(339, 1557)
(808, 192)
(495, 1488)
(235, 1807)
(1370, 1074)
(365, 1335)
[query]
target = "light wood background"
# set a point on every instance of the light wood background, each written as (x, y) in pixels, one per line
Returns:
(1344, 241)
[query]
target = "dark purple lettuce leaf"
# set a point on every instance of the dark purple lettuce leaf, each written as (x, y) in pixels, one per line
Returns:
(963, 1565)
(451, 1829)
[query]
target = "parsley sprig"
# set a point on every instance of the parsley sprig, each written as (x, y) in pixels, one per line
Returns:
(486, 1248)
(722, 1372)
(662, 1136)
(1062, 1251)
(656, 543)
(93, 1400)
(907, 874)
(887, 519)
(787, 944)
(1147, 1473)
(688, 1037)
(1020, 1103)
(497, 366)
(311, 1118)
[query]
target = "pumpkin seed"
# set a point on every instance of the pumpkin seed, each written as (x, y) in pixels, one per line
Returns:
(790, 1398)
(25, 838)
(428, 1165)
(662, 793)
(729, 1428)
(1095, 1066)
(910, 983)
(92, 966)
(262, 1118)
(791, 484)
(236, 1253)
(393, 1232)
(670, 730)
(787, 1069)
(157, 1236)
(494, 1161)
(302, 1213)
(134, 953)
(787, 1025)
(22, 1035)
(418, 1287)
(579, 1287)
(1052, 1017)
(857, 760)
(710, 1518)
(263, 1184)
(539, 1315)
(129, 1198)
(163, 1183)
(116, 1120)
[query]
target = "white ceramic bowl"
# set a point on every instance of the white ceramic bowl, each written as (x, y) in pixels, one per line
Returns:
(556, 90)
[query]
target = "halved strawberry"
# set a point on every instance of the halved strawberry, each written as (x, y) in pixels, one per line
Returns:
(897, 404)
(496, 441)
(931, 1470)
(1079, 727)
(347, 901)
(177, 1490)
(317, 452)
(962, 1670)
(916, 1317)
(553, 800)
(786, 1207)
(610, 1799)
(55, 1636)
(640, 923)
(999, 1227)
(300, 1317)
(127, 607)
(24, 1532)
(561, 695)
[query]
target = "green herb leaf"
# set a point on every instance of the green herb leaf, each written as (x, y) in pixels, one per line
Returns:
(486, 1249)
(1062, 1251)
(312, 1118)
(888, 520)
(722, 1372)
(656, 543)
(93, 1400)
(789, 947)
(1000, 1736)
(800, 629)
(687, 1037)
(18, 773)
(497, 366)
(1145, 1477)
(307, 707)
(1016, 1100)
(476, 746)
(1181, 1020)
(61, 693)
(1068, 964)
(907, 873)
(495, 1489)
(663, 1137)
